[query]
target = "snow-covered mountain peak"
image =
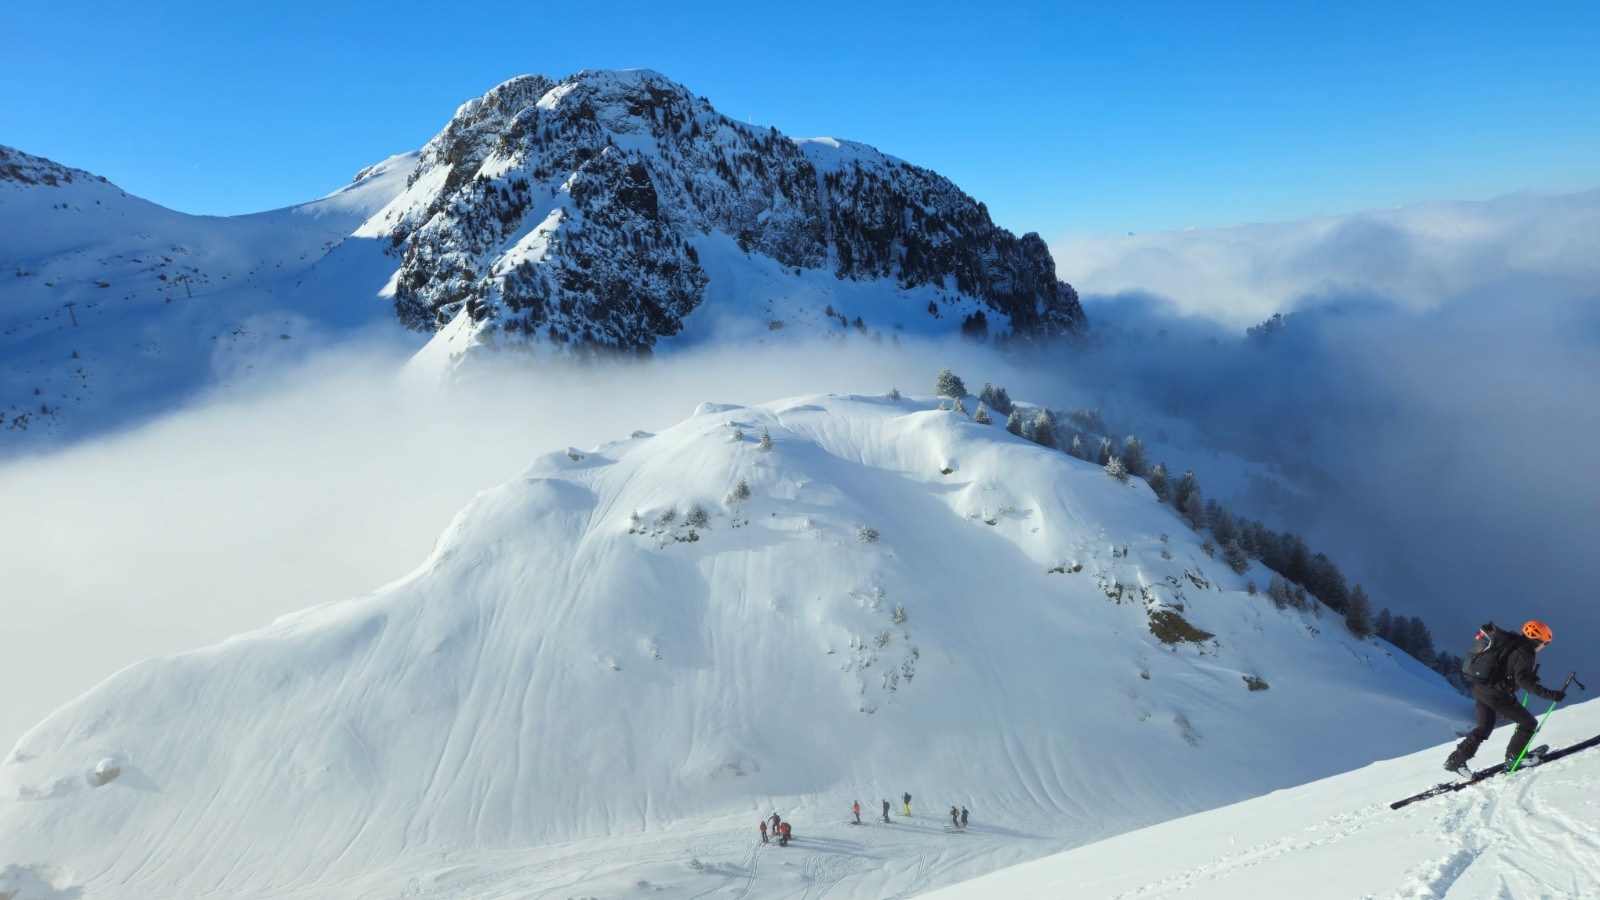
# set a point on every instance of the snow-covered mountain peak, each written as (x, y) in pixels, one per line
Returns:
(611, 210)
(777, 606)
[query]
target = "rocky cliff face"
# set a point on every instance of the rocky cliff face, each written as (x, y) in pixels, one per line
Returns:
(574, 213)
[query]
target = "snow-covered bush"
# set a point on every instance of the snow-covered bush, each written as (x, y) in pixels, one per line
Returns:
(697, 517)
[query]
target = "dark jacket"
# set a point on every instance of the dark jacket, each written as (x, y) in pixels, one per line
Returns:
(1521, 672)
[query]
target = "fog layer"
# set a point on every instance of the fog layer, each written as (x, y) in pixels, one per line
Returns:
(1435, 401)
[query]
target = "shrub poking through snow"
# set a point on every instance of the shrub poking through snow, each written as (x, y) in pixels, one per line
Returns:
(1171, 628)
(868, 534)
(697, 517)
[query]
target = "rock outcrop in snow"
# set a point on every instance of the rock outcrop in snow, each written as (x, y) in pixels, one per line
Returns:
(574, 213)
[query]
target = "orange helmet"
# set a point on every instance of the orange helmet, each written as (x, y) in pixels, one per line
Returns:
(1539, 631)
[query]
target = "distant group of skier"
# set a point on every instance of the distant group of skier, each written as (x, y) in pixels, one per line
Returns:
(774, 825)
(779, 827)
(1499, 663)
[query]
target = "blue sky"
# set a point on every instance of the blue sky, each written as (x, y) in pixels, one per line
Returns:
(1102, 118)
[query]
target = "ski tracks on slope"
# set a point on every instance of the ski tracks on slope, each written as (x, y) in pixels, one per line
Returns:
(1331, 831)
(1516, 840)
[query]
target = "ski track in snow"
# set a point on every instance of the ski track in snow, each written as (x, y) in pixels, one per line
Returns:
(1502, 837)
(1320, 834)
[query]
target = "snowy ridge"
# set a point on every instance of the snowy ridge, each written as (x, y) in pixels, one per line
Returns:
(1532, 834)
(614, 653)
(113, 308)
(608, 212)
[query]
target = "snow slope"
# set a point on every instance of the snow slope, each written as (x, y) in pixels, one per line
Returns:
(566, 695)
(1533, 834)
(113, 308)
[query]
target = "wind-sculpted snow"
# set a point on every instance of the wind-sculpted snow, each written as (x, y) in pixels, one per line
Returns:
(612, 660)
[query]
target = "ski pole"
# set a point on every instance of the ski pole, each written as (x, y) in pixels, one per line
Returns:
(1570, 679)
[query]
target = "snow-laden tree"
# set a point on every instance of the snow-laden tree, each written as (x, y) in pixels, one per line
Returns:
(996, 398)
(766, 440)
(1237, 559)
(948, 385)
(1224, 527)
(1159, 485)
(1187, 484)
(1014, 423)
(1279, 592)
(982, 415)
(1044, 428)
(697, 517)
(1134, 457)
(1115, 469)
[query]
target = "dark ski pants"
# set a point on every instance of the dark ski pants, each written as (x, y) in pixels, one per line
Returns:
(1493, 702)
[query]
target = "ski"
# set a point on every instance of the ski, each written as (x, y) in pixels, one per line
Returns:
(1543, 752)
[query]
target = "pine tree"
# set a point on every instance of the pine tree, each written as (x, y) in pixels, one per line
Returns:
(1076, 448)
(948, 385)
(1157, 479)
(1382, 625)
(741, 492)
(1400, 634)
(1278, 592)
(1044, 428)
(766, 440)
(1116, 470)
(1186, 485)
(1328, 583)
(1104, 452)
(1194, 510)
(996, 398)
(1422, 642)
(982, 415)
(1014, 423)
(1134, 458)
(1224, 528)
(1358, 615)
(959, 406)
(1237, 559)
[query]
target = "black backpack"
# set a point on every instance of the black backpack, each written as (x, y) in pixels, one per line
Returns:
(1486, 657)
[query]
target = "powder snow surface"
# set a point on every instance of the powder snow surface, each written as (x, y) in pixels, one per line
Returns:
(582, 692)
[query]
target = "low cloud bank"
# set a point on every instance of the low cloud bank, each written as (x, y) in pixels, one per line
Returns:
(320, 485)
(1434, 394)
(1418, 258)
